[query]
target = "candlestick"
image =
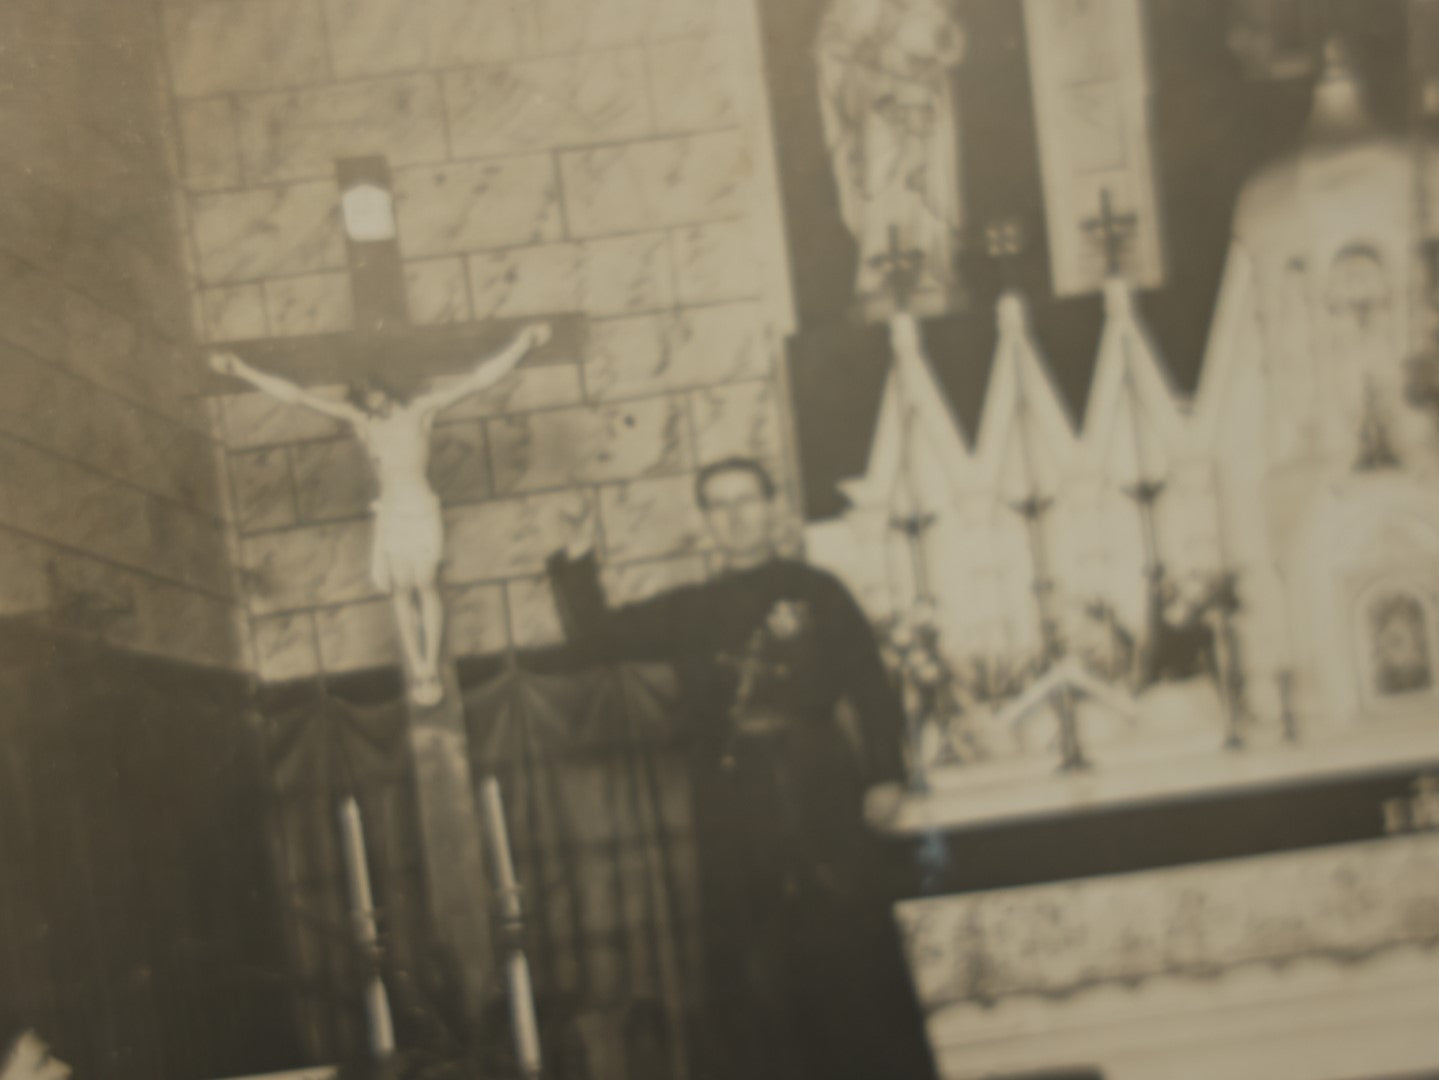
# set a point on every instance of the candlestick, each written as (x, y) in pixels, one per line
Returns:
(522, 998)
(526, 1024)
(362, 913)
(500, 845)
(382, 1025)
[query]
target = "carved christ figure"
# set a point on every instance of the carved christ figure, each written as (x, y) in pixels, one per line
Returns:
(408, 542)
(887, 107)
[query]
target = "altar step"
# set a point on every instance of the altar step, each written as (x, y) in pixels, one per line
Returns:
(1318, 964)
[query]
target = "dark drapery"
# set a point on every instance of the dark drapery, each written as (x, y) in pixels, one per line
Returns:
(598, 808)
(324, 744)
(137, 927)
(598, 812)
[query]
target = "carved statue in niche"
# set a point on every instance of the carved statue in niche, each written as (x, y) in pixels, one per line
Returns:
(1399, 642)
(887, 107)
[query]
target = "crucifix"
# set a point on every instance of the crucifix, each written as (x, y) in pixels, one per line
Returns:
(389, 368)
(408, 541)
(1112, 232)
(394, 370)
(899, 269)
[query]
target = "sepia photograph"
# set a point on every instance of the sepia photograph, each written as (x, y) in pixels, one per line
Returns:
(719, 539)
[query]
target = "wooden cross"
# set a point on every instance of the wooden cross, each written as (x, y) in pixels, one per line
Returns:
(1112, 232)
(384, 345)
(900, 269)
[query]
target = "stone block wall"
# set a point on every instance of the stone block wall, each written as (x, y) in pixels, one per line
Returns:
(111, 517)
(599, 156)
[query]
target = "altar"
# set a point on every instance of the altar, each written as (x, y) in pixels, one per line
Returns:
(1149, 590)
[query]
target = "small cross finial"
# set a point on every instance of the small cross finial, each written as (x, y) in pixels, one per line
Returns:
(899, 268)
(1004, 239)
(1112, 232)
(1004, 242)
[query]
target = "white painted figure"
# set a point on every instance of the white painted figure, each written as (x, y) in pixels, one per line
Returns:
(887, 105)
(408, 542)
(29, 1059)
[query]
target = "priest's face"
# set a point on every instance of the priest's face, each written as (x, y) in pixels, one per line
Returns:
(740, 515)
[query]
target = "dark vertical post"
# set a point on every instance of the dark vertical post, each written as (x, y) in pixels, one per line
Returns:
(377, 279)
(453, 855)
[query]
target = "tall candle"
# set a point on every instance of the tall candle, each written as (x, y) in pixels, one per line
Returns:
(500, 845)
(522, 998)
(522, 1006)
(362, 912)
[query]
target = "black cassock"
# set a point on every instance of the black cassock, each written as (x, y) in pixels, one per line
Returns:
(805, 973)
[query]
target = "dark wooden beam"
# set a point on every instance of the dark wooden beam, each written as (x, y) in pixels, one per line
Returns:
(377, 274)
(403, 357)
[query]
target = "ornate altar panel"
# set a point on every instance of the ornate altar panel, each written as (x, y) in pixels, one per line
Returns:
(1268, 966)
